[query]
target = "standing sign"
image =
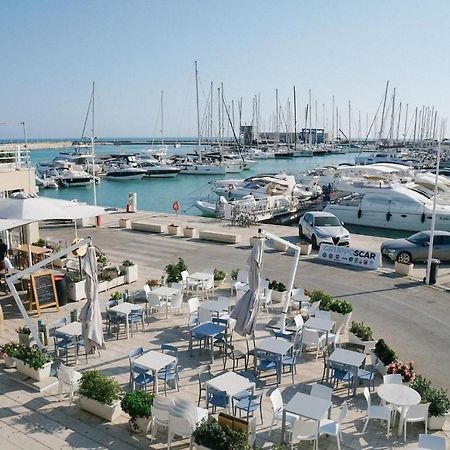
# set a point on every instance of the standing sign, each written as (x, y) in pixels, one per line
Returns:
(43, 291)
(366, 259)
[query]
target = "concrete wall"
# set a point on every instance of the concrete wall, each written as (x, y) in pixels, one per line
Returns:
(12, 179)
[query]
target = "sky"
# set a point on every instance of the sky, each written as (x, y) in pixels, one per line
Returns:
(52, 51)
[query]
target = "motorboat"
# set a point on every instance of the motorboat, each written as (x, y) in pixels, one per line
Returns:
(156, 169)
(396, 157)
(75, 178)
(125, 173)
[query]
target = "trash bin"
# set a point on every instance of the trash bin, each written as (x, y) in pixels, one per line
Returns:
(61, 289)
(434, 269)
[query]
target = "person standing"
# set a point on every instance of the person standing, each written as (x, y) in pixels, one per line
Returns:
(3, 250)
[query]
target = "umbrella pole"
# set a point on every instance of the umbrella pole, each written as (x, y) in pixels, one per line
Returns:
(76, 228)
(289, 290)
(30, 258)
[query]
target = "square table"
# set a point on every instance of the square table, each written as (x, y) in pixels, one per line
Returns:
(165, 292)
(231, 383)
(74, 331)
(325, 325)
(201, 277)
(277, 346)
(206, 330)
(125, 309)
(307, 406)
(154, 361)
(349, 358)
(216, 306)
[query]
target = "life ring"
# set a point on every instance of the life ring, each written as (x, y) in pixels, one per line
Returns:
(176, 206)
(231, 187)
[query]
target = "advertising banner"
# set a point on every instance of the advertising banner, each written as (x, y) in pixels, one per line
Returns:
(366, 259)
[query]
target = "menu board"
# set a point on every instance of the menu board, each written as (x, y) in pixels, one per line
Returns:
(43, 292)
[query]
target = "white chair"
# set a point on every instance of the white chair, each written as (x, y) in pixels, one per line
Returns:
(312, 338)
(376, 412)
(323, 314)
(197, 414)
(67, 377)
(207, 287)
(321, 391)
(154, 302)
(176, 303)
(432, 442)
(416, 413)
(335, 338)
(305, 431)
(265, 299)
(188, 284)
(393, 378)
(241, 292)
(204, 315)
(178, 286)
(141, 295)
(313, 309)
(277, 410)
(193, 304)
(241, 282)
(160, 413)
(333, 428)
(181, 424)
(298, 295)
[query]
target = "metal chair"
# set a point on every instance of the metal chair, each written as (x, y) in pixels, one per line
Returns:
(217, 399)
(203, 376)
(136, 317)
(250, 404)
(235, 355)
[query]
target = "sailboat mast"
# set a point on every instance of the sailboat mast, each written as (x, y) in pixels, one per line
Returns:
(398, 122)
(162, 119)
(332, 121)
(310, 120)
(94, 188)
(211, 114)
(277, 130)
(383, 110)
(349, 124)
(391, 130)
(198, 115)
(315, 133)
(406, 124)
(295, 121)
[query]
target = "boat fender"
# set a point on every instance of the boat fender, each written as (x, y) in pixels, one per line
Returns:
(388, 216)
(422, 219)
(231, 187)
(359, 213)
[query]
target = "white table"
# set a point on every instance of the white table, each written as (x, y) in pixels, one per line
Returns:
(154, 361)
(215, 306)
(126, 309)
(277, 346)
(349, 358)
(400, 395)
(231, 383)
(325, 325)
(73, 330)
(165, 292)
(201, 277)
(307, 406)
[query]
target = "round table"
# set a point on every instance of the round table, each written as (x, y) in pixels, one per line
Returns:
(401, 396)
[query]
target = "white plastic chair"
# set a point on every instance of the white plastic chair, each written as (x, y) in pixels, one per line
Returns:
(376, 412)
(193, 304)
(181, 424)
(265, 299)
(277, 410)
(432, 442)
(323, 314)
(160, 413)
(416, 413)
(305, 431)
(312, 338)
(313, 309)
(188, 284)
(196, 413)
(176, 302)
(241, 282)
(204, 315)
(333, 428)
(392, 378)
(67, 377)
(154, 302)
(321, 391)
(335, 338)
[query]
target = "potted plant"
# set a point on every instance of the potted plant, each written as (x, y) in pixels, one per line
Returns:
(385, 356)
(405, 269)
(405, 369)
(360, 334)
(320, 296)
(153, 283)
(305, 248)
(40, 243)
(173, 229)
(75, 286)
(189, 232)
(116, 295)
(131, 271)
(278, 291)
(25, 337)
(438, 399)
(100, 395)
(234, 274)
(280, 246)
(33, 362)
(173, 271)
(219, 277)
(210, 435)
(341, 312)
(138, 405)
(8, 352)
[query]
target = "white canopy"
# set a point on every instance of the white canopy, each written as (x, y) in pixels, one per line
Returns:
(8, 224)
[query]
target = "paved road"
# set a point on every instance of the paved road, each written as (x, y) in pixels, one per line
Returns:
(414, 319)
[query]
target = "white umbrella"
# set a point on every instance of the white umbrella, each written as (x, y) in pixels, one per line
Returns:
(8, 224)
(90, 315)
(246, 309)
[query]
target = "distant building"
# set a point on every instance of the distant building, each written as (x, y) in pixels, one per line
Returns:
(248, 136)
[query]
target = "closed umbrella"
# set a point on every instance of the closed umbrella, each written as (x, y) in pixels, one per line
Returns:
(246, 309)
(90, 315)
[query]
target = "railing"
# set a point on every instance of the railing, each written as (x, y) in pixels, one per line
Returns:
(14, 156)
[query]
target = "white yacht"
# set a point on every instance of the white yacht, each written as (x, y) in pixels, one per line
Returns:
(387, 205)
(75, 177)
(155, 168)
(125, 173)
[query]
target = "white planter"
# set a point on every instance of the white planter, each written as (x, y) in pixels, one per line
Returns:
(436, 423)
(189, 232)
(404, 269)
(341, 319)
(379, 366)
(107, 412)
(111, 284)
(60, 262)
(278, 297)
(38, 375)
(305, 249)
(140, 425)
(103, 286)
(75, 291)
(369, 345)
(173, 230)
(131, 274)
(279, 246)
(10, 362)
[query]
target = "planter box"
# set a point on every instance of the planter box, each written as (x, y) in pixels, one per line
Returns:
(10, 362)
(279, 297)
(279, 246)
(379, 366)
(131, 273)
(219, 282)
(38, 375)
(75, 291)
(151, 227)
(341, 319)
(189, 232)
(125, 223)
(26, 339)
(436, 423)
(219, 236)
(369, 345)
(305, 248)
(103, 286)
(60, 262)
(116, 282)
(140, 425)
(404, 269)
(109, 413)
(173, 231)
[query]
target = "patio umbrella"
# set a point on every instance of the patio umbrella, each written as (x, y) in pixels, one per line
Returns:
(246, 309)
(90, 315)
(8, 224)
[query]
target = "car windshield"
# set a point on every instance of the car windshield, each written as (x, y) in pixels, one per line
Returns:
(419, 238)
(326, 221)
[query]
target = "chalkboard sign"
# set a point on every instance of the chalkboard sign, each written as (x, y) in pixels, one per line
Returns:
(43, 293)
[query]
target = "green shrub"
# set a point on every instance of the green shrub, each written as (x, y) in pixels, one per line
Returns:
(95, 385)
(9, 349)
(40, 243)
(234, 274)
(127, 263)
(384, 352)
(219, 275)
(339, 306)
(173, 271)
(277, 286)
(360, 330)
(137, 404)
(33, 356)
(324, 298)
(437, 397)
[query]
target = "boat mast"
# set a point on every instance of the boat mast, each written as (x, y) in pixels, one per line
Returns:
(295, 121)
(391, 130)
(310, 120)
(198, 115)
(277, 124)
(398, 122)
(315, 133)
(383, 110)
(415, 128)
(349, 124)
(94, 188)
(162, 119)
(211, 115)
(332, 121)
(406, 124)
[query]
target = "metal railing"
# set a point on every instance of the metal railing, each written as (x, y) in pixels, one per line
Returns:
(14, 156)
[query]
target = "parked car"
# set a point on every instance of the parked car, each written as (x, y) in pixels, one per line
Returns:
(322, 227)
(415, 247)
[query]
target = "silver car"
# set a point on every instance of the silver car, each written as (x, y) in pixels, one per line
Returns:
(322, 227)
(415, 247)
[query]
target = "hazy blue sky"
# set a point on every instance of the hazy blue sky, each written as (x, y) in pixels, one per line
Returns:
(52, 50)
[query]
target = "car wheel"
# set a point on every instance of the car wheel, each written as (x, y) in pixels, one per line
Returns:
(404, 257)
(300, 231)
(314, 241)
